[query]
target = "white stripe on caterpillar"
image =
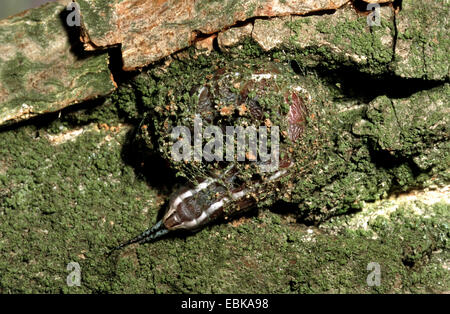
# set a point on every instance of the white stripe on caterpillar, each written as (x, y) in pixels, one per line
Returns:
(191, 193)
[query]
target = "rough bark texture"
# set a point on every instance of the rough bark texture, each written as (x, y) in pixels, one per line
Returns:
(422, 44)
(151, 30)
(39, 72)
(75, 185)
(409, 46)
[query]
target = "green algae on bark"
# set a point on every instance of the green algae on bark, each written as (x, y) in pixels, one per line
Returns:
(39, 72)
(333, 39)
(57, 210)
(423, 42)
(406, 126)
(151, 30)
(350, 152)
(330, 35)
(411, 41)
(73, 201)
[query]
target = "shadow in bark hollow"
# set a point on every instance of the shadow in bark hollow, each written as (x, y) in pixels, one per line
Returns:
(305, 217)
(285, 209)
(366, 87)
(116, 66)
(43, 120)
(398, 4)
(148, 165)
(318, 13)
(73, 35)
(384, 159)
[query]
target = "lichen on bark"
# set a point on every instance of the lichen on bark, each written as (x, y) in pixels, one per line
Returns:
(351, 152)
(75, 185)
(39, 71)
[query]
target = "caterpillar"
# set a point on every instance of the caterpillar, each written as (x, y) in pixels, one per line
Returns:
(226, 193)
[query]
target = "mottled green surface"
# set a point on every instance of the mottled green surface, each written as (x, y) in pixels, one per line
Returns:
(73, 201)
(76, 200)
(344, 38)
(40, 71)
(367, 150)
(423, 41)
(98, 18)
(413, 43)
